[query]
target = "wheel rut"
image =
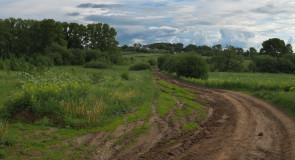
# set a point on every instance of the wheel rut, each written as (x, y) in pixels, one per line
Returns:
(237, 126)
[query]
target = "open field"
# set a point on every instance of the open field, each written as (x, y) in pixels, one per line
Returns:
(95, 104)
(93, 100)
(144, 116)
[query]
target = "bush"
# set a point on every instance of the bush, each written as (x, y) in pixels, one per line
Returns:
(115, 55)
(79, 56)
(91, 55)
(125, 75)
(66, 55)
(140, 66)
(285, 65)
(191, 65)
(265, 63)
(97, 64)
(1, 64)
(161, 61)
(56, 58)
(187, 65)
(152, 62)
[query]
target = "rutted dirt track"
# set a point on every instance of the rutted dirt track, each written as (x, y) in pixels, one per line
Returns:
(237, 126)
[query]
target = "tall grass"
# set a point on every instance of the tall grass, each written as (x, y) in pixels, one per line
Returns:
(78, 97)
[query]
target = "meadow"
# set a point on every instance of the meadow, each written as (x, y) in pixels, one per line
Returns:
(64, 102)
(43, 113)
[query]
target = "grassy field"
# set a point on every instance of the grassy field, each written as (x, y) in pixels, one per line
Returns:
(276, 88)
(48, 111)
(92, 100)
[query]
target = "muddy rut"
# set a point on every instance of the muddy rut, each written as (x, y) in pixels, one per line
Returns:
(237, 126)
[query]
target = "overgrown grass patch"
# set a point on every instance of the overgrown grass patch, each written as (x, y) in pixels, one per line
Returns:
(78, 97)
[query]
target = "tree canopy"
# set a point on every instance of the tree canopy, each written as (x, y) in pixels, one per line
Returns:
(18, 36)
(275, 47)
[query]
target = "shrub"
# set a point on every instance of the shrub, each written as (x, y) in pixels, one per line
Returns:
(285, 65)
(265, 63)
(91, 55)
(79, 56)
(66, 55)
(161, 61)
(56, 58)
(191, 65)
(140, 66)
(125, 75)
(97, 64)
(152, 61)
(115, 55)
(42, 60)
(1, 64)
(187, 65)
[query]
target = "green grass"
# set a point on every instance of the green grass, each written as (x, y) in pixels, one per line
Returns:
(171, 94)
(38, 142)
(8, 85)
(191, 126)
(124, 102)
(276, 88)
(120, 97)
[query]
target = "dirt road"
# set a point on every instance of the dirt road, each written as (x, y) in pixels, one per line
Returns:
(237, 126)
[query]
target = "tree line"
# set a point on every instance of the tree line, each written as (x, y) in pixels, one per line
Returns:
(204, 50)
(27, 43)
(275, 56)
(27, 37)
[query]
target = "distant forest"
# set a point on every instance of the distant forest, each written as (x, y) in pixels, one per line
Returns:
(28, 37)
(202, 50)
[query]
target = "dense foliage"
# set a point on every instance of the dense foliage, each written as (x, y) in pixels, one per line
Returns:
(275, 47)
(29, 37)
(26, 44)
(187, 65)
(227, 61)
(140, 66)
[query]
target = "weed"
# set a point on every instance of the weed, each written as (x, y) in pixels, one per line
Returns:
(191, 126)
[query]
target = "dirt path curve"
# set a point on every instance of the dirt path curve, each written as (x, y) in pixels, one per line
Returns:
(240, 127)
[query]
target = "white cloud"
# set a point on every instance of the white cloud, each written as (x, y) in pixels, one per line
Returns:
(242, 23)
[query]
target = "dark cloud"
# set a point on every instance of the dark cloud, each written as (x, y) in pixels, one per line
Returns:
(91, 5)
(73, 14)
(125, 20)
(269, 9)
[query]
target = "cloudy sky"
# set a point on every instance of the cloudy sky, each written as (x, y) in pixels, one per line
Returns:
(242, 23)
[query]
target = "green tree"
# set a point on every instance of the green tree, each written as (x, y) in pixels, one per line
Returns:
(191, 48)
(227, 61)
(251, 52)
(275, 47)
